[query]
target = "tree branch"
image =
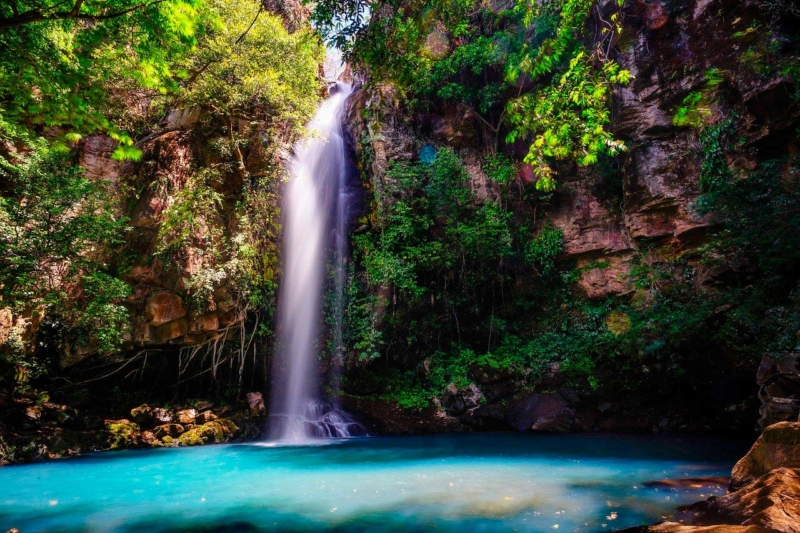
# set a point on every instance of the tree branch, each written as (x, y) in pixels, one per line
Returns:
(37, 15)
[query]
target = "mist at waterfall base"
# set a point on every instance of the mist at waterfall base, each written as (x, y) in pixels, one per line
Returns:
(317, 212)
(479, 482)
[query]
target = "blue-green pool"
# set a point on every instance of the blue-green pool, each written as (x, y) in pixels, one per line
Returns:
(486, 482)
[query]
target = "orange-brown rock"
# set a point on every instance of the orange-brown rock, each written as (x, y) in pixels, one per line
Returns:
(772, 501)
(169, 331)
(186, 416)
(207, 322)
(168, 430)
(675, 527)
(143, 334)
(6, 323)
(95, 158)
(146, 273)
(230, 316)
(255, 402)
(609, 278)
(656, 15)
(148, 210)
(777, 447)
(164, 307)
(205, 417)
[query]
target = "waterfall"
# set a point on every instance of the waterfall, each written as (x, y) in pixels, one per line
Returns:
(316, 220)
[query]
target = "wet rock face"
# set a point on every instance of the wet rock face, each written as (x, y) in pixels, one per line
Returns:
(777, 447)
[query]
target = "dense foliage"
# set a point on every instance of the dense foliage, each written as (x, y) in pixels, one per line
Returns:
(455, 306)
(57, 60)
(252, 77)
(57, 231)
(120, 68)
(529, 72)
(454, 286)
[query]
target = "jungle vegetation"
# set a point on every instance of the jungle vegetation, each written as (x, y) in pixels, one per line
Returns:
(443, 281)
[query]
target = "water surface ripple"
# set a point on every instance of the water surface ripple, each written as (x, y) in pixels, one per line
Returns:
(485, 482)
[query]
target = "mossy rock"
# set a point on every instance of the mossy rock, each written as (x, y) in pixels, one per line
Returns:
(192, 437)
(777, 447)
(123, 434)
(142, 415)
(168, 430)
(212, 432)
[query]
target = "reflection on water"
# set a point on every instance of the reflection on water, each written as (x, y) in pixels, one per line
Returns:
(493, 482)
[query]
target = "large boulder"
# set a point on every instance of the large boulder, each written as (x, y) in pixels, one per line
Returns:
(779, 389)
(212, 432)
(777, 447)
(205, 417)
(186, 416)
(168, 430)
(162, 416)
(255, 403)
(548, 412)
(772, 501)
(456, 400)
(164, 307)
(123, 434)
(142, 415)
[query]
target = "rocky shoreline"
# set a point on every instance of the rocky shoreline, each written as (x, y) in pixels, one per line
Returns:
(764, 488)
(34, 429)
(764, 491)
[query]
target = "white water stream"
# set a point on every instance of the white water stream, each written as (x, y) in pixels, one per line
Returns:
(315, 208)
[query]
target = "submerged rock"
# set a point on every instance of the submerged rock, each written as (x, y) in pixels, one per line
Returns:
(689, 482)
(777, 447)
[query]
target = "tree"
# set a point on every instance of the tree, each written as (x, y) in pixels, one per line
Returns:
(57, 229)
(57, 61)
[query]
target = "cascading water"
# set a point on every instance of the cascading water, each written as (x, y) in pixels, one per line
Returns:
(316, 220)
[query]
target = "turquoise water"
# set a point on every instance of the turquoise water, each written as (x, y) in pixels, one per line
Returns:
(488, 482)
